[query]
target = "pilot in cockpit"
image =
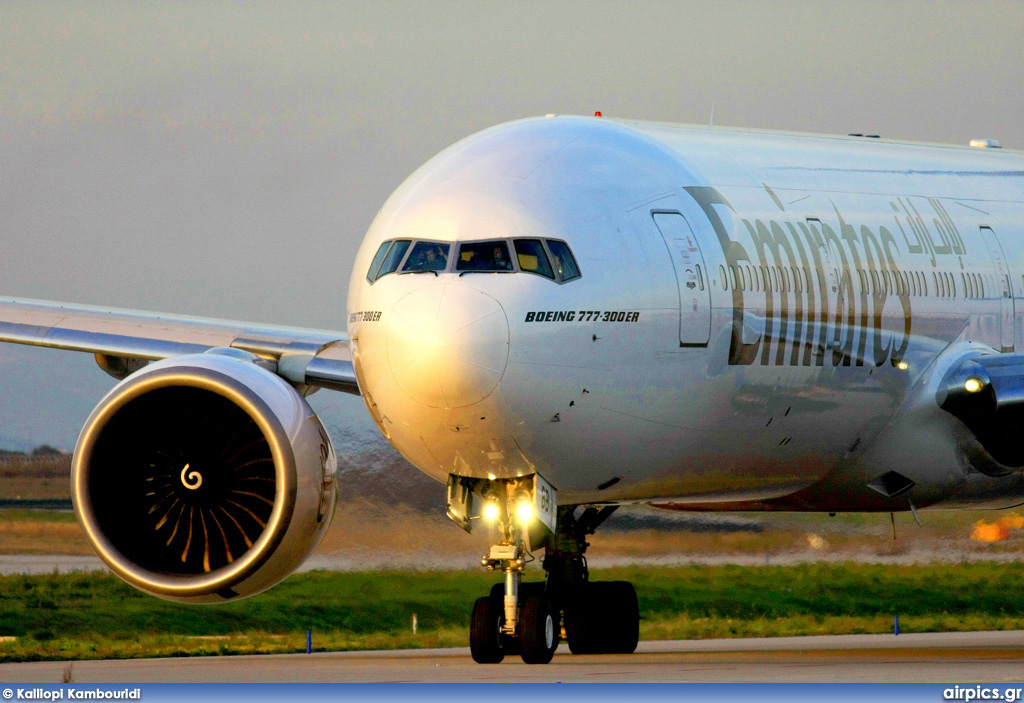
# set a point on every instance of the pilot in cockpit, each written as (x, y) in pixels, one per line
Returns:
(428, 257)
(499, 261)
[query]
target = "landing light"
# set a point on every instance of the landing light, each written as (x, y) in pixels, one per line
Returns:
(524, 511)
(973, 384)
(902, 366)
(490, 512)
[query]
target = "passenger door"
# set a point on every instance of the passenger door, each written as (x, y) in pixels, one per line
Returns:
(691, 277)
(1003, 290)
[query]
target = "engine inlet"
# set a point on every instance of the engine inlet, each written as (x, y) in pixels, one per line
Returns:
(182, 481)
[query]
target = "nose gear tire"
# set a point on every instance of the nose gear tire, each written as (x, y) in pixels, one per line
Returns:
(485, 638)
(538, 629)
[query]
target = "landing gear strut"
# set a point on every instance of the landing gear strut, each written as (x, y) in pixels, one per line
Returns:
(529, 619)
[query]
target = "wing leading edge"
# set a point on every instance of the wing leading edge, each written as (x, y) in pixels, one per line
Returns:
(123, 340)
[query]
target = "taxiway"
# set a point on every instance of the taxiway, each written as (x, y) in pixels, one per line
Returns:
(928, 657)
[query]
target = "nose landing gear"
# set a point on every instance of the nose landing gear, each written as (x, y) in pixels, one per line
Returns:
(516, 617)
(529, 619)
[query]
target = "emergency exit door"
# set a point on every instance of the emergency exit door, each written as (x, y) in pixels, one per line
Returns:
(691, 278)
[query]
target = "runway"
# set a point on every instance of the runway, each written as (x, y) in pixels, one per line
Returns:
(921, 658)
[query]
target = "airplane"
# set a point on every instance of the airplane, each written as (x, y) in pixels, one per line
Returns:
(564, 314)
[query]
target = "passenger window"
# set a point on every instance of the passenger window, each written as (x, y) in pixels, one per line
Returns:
(394, 257)
(371, 275)
(532, 258)
(484, 256)
(564, 262)
(427, 256)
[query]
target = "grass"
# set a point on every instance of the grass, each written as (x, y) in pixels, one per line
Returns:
(81, 616)
(41, 532)
(42, 477)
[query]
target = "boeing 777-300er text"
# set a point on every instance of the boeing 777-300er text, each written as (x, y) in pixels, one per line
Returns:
(560, 315)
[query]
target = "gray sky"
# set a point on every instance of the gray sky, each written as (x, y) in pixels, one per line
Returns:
(225, 159)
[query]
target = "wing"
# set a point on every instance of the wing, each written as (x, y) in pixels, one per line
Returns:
(123, 340)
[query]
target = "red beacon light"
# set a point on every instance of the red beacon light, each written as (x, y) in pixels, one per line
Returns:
(597, 114)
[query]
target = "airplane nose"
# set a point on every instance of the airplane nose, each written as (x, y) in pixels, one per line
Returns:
(447, 345)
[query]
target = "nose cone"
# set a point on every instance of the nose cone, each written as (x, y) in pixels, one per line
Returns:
(447, 345)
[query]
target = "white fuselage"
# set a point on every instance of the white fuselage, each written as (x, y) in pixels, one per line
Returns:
(759, 322)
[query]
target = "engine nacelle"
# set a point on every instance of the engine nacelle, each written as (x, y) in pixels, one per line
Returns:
(204, 478)
(986, 393)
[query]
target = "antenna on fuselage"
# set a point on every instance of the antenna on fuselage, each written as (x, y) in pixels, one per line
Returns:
(712, 122)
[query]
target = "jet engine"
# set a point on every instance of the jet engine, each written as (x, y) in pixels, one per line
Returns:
(204, 478)
(986, 393)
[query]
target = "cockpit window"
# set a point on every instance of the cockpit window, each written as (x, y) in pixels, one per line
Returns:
(550, 258)
(533, 258)
(491, 256)
(565, 264)
(394, 257)
(427, 256)
(371, 275)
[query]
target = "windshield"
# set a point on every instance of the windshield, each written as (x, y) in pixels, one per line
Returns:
(484, 256)
(531, 256)
(427, 256)
(550, 258)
